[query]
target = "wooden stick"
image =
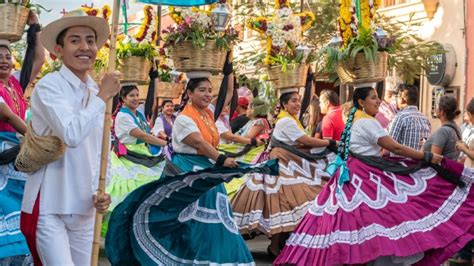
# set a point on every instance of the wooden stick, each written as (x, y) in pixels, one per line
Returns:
(106, 135)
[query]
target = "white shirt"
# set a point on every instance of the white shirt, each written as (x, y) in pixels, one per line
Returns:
(183, 126)
(222, 128)
(158, 126)
(365, 133)
(124, 124)
(287, 131)
(59, 107)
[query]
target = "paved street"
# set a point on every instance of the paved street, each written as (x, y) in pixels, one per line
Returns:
(258, 247)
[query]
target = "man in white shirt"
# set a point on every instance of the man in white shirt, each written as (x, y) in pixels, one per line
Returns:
(59, 203)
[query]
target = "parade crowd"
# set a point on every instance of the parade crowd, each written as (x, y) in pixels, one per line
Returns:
(369, 181)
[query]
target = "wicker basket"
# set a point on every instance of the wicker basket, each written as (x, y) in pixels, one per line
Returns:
(135, 69)
(12, 21)
(359, 70)
(293, 77)
(216, 81)
(169, 90)
(187, 58)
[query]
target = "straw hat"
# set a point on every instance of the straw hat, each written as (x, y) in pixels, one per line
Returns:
(74, 18)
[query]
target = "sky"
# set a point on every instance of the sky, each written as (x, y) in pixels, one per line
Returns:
(57, 6)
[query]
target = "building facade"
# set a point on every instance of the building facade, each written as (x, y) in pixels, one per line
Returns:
(450, 25)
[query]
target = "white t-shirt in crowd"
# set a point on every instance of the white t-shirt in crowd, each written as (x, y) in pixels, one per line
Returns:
(287, 131)
(124, 124)
(364, 136)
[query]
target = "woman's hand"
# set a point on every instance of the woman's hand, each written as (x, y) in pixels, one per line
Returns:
(461, 146)
(32, 18)
(436, 158)
(231, 163)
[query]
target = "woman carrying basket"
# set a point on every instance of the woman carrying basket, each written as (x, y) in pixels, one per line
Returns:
(392, 211)
(274, 205)
(185, 216)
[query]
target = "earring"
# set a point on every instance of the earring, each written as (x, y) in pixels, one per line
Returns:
(363, 109)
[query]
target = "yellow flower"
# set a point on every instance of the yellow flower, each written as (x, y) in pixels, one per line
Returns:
(106, 12)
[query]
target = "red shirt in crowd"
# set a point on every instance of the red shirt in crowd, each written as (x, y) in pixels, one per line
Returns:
(332, 124)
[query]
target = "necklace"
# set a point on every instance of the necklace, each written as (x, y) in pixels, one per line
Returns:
(13, 97)
(210, 125)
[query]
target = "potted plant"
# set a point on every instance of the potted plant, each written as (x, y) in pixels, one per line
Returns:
(136, 53)
(286, 57)
(200, 39)
(13, 17)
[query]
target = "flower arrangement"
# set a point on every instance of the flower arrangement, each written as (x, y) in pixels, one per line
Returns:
(141, 44)
(150, 20)
(104, 12)
(373, 44)
(359, 36)
(284, 32)
(196, 25)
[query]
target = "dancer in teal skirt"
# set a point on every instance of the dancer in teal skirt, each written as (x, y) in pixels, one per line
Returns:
(184, 219)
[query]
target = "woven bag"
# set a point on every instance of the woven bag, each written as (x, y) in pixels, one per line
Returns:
(38, 151)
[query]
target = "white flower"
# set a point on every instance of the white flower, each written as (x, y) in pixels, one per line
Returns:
(283, 12)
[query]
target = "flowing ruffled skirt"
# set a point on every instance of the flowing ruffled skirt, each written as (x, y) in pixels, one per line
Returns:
(12, 241)
(181, 219)
(378, 215)
(253, 156)
(276, 204)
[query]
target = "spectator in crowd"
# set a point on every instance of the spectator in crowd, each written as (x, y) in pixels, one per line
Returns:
(332, 124)
(388, 107)
(409, 127)
(313, 125)
(443, 141)
(239, 118)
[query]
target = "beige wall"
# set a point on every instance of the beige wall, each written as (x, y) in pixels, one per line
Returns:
(447, 26)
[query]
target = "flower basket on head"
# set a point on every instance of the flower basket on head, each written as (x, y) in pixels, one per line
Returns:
(216, 81)
(169, 90)
(293, 77)
(199, 42)
(134, 68)
(287, 58)
(360, 70)
(187, 58)
(13, 19)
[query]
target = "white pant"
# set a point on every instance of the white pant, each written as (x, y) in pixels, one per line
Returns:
(65, 239)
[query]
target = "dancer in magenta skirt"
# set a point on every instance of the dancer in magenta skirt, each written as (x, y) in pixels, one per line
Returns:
(384, 211)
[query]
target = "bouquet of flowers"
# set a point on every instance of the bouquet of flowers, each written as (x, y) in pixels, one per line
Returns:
(197, 41)
(135, 53)
(361, 55)
(286, 56)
